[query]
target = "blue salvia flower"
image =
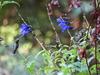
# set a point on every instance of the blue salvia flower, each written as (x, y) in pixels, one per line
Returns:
(64, 24)
(25, 29)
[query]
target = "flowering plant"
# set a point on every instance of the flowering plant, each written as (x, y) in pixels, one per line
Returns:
(25, 29)
(63, 23)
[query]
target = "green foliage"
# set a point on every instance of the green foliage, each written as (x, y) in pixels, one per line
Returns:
(10, 2)
(31, 67)
(5, 3)
(62, 61)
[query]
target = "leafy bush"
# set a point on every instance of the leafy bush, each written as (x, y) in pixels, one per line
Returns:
(81, 55)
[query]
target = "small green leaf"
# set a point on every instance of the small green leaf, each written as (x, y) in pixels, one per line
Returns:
(31, 67)
(9, 2)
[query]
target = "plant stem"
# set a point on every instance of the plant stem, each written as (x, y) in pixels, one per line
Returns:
(87, 65)
(22, 19)
(41, 44)
(96, 5)
(96, 1)
(53, 27)
(70, 37)
(96, 55)
(88, 25)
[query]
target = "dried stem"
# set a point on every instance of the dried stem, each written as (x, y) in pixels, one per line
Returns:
(96, 2)
(41, 44)
(53, 27)
(88, 25)
(72, 40)
(21, 18)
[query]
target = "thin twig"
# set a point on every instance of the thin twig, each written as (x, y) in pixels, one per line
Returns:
(88, 25)
(96, 5)
(88, 65)
(96, 57)
(21, 18)
(41, 44)
(86, 58)
(70, 34)
(96, 1)
(53, 27)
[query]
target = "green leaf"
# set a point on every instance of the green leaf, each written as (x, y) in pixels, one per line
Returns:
(83, 73)
(9, 2)
(31, 67)
(93, 69)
